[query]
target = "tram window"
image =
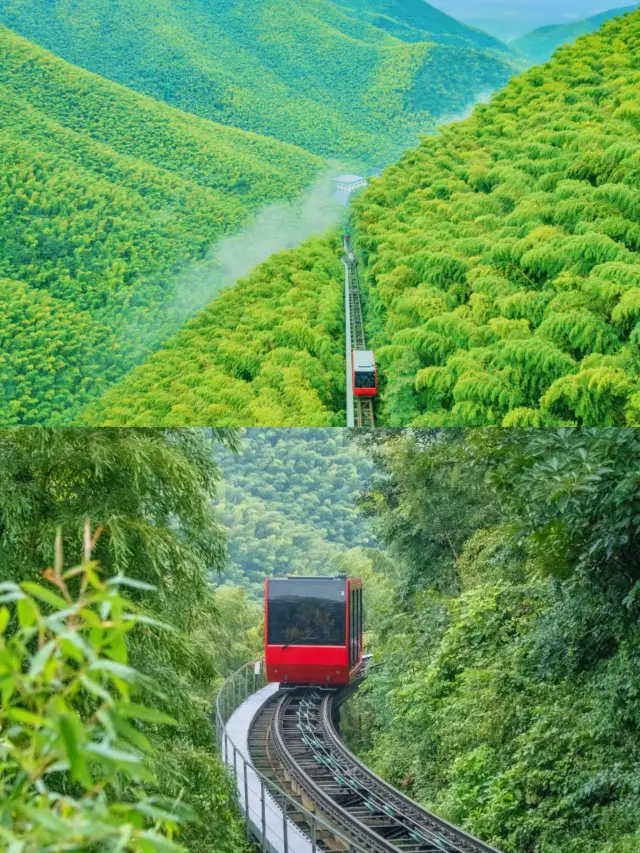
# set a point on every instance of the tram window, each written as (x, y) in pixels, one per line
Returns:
(307, 613)
(365, 380)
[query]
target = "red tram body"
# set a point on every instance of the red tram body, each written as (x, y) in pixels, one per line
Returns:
(365, 378)
(313, 630)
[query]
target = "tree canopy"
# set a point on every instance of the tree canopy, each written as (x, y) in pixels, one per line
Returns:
(148, 495)
(504, 695)
(503, 255)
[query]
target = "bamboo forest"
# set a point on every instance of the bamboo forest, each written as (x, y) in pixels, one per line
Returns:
(501, 582)
(500, 283)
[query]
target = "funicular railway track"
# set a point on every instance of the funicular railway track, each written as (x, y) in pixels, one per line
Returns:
(294, 742)
(363, 408)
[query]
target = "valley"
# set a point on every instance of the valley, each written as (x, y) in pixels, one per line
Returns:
(501, 260)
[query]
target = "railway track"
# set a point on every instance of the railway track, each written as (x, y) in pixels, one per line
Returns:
(294, 742)
(364, 415)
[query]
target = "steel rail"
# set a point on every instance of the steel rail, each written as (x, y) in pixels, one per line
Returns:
(379, 819)
(360, 412)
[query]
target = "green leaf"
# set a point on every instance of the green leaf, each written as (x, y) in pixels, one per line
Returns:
(4, 619)
(142, 712)
(121, 580)
(39, 660)
(162, 844)
(117, 755)
(72, 735)
(43, 594)
(27, 612)
(20, 715)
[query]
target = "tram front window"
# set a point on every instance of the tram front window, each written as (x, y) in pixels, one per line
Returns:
(365, 380)
(308, 612)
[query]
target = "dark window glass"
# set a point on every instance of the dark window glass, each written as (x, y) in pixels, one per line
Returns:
(310, 612)
(365, 380)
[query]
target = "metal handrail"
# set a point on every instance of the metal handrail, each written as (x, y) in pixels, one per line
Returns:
(233, 692)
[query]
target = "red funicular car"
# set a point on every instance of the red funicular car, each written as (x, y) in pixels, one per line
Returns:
(313, 630)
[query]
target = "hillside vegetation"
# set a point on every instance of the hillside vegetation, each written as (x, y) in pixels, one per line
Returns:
(122, 770)
(504, 627)
(288, 504)
(106, 199)
(268, 352)
(540, 44)
(504, 254)
(356, 79)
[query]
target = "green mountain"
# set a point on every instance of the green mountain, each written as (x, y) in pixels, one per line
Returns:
(501, 277)
(107, 198)
(288, 504)
(357, 79)
(503, 256)
(540, 44)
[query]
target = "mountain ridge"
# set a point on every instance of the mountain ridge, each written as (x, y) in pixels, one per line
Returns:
(318, 74)
(540, 44)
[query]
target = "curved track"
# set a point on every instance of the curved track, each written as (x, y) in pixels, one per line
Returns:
(294, 741)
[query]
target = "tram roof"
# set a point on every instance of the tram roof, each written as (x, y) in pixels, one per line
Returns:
(363, 360)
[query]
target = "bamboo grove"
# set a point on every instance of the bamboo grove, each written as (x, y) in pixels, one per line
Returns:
(504, 254)
(107, 198)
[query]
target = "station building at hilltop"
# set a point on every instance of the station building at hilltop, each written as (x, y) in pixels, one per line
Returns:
(346, 185)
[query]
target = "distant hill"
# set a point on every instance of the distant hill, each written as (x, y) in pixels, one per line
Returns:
(356, 79)
(541, 44)
(500, 271)
(288, 504)
(106, 197)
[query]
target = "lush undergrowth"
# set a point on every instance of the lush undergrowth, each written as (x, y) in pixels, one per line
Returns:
(148, 494)
(504, 254)
(505, 629)
(269, 352)
(337, 79)
(288, 504)
(106, 198)
(539, 45)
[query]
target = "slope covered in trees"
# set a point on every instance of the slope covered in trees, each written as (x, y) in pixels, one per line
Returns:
(504, 254)
(505, 631)
(540, 44)
(148, 495)
(355, 79)
(269, 352)
(106, 198)
(288, 504)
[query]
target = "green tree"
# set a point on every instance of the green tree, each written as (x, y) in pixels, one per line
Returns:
(150, 493)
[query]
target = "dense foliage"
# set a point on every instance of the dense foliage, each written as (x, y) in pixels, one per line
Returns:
(506, 696)
(150, 494)
(71, 734)
(356, 79)
(288, 503)
(540, 44)
(107, 201)
(269, 352)
(504, 255)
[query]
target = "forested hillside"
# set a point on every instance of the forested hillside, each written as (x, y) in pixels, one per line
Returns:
(269, 352)
(357, 79)
(106, 199)
(504, 254)
(288, 504)
(540, 44)
(112, 648)
(502, 273)
(505, 629)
